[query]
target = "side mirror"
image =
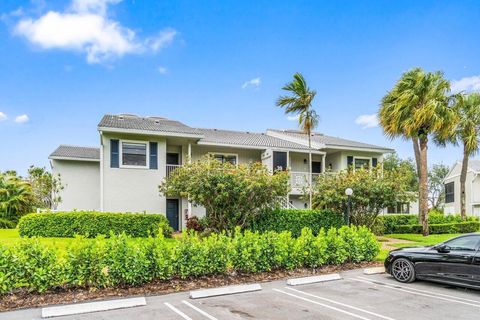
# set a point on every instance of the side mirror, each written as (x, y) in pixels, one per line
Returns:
(442, 248)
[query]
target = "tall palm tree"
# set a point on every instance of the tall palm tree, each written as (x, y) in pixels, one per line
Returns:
(16, 197)
(467, 134)
(299, 103)
(419, 106)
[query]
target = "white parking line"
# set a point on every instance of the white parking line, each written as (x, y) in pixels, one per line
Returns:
(199, 310)
(323, 305)
(425, 291)
(180, 313)
(430, 295)
(342, 304)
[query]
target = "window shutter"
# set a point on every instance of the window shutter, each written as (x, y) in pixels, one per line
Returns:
(114, 154)
(349, 161)
(153, 155)
(374, 162)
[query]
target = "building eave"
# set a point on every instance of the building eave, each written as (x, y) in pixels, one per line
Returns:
(151, 133)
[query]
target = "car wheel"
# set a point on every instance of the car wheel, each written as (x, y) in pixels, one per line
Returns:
(403, 270)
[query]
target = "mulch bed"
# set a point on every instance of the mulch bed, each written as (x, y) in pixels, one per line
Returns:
(23, 299)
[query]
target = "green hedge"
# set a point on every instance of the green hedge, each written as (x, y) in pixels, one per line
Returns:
(441, 228)
(120, 260)
(294, 220)
(7, 224)
(392, 222)
(91, 224)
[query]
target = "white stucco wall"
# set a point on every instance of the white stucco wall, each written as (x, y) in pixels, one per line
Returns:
(472, 192)
(81, 181)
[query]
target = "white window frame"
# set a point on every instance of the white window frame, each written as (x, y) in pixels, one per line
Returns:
(146, 143)
(362, 158)
(226, 155)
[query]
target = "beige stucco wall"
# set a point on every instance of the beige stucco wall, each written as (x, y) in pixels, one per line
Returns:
(81, 181)
(133, 189)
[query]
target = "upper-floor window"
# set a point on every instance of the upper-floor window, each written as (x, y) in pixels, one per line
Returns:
(449, 192)
(134, 154)
(226, 158)
(362, 163)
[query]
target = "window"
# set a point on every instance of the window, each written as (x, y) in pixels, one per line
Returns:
(224, 158)
(469, 243)
(449, 192)
(362, 163)
(399, 208)
(134, 154)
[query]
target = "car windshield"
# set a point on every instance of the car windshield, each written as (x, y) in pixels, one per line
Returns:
(469, 243)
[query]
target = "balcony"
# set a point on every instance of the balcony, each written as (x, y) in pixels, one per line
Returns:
(171, 168)
(300, 180)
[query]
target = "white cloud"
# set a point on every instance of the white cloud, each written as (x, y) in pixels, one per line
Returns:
(367, 121)
(22, 119)
(162, 40)
(86, 28)
(3, 116)
(255, 82)
(293, 118)
(466, 84)
(162, 70)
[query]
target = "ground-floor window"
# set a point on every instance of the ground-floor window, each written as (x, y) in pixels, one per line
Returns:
(399, 208)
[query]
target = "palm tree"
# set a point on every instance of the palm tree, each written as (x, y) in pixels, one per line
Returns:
(419, 106)
(467, 133)
(16, 196)
(299, 103)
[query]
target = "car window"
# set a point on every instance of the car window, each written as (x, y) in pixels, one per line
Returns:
(464, 243)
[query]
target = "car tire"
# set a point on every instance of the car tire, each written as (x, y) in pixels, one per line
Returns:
(403, 270)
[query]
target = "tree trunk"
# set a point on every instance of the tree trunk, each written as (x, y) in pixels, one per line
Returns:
(463, 179)
(310, 169)
(423, 190)
(416, 151)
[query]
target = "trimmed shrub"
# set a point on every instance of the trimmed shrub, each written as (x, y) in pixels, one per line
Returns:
(294, 220)
(124, 261)
(456, 227)
(7, 224)
(396, 223)
(91, 224)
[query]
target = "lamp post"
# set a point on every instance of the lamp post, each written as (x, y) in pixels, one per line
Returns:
(348, 193)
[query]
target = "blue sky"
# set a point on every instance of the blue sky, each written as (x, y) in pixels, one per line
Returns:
(219, 64)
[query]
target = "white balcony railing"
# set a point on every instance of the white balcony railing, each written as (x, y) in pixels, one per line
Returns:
(301, 179)
(171, 168)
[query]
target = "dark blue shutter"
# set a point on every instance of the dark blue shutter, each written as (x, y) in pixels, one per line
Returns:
(349, 161)
(153, 155)
(374, 162)
(114, 154)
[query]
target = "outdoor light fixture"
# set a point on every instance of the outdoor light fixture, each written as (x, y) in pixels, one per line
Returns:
(305, 161)
(348, 193)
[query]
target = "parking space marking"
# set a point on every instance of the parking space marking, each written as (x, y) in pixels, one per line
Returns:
(430, 295)
(341, 304)
(180, 313)
(323, 305)
(199, 310)
(425, 291)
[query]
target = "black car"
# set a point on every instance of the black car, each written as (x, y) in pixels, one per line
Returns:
(455, 262)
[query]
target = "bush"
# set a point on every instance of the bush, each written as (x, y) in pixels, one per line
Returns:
(294, 220)
(91, 224)
(7, 224)
(125, 261)
(396, 223)
(455, 227)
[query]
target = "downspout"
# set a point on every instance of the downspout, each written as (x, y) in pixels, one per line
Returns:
(189, 206)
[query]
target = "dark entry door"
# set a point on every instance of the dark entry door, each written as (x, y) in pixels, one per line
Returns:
(279, 160)
(172, 213)
(316, 167)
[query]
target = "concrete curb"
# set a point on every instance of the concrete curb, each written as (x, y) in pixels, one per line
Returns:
(376, 270)
(205, 293)
(314, 279)
(79, 308)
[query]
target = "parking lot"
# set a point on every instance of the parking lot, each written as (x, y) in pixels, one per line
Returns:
(356, 296)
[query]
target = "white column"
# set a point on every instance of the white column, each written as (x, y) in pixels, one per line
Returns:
(323, 162)
(189, 157)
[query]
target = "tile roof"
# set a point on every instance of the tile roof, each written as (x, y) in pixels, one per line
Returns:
(242, 138)
(76, 152)
(156, 124)
(328, 141)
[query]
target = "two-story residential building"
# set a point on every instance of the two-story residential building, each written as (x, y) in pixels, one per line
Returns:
(472, 189)
(137, 153)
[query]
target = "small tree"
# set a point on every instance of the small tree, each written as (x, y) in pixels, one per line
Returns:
(436, 189)
(16, 197)
(232, 195)
(45, 186)
(393, 162)
(373, 191)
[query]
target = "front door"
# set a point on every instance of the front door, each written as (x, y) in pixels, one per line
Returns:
(172, 213)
